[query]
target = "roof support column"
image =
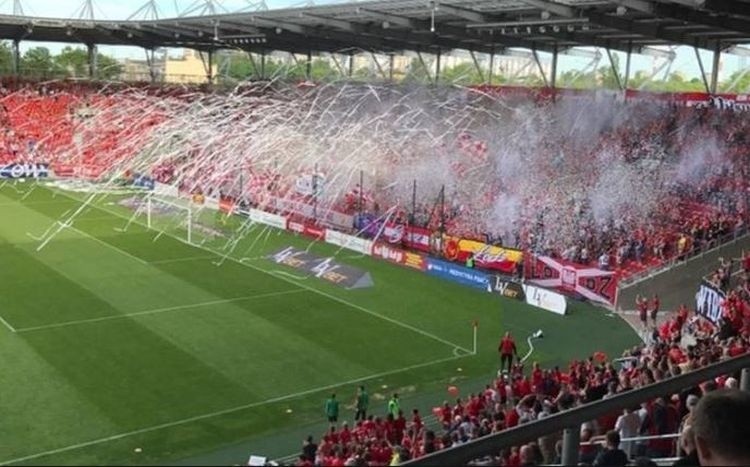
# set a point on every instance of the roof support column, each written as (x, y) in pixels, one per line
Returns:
(391, 61)
(16, 57)
(476, 65)
(424, 66)
(377, 65)
(627, 66)
(351, 65)
(210, 69)
(253, 63)
(437, 67)
(553, 71)
(541, 69)
(263, 65)
(308, 65)
(92, 60)
(150, 62)
(615, 70)
(492, 68)
(703, 70)
(715, 69)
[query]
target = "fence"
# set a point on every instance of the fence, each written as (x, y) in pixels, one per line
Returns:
(694, 253)
(569, 422)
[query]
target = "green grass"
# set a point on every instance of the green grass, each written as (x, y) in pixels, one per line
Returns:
(124, 340)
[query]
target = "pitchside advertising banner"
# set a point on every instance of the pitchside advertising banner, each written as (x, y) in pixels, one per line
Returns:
(459, 274)
(327, 269)
(24, 171)
(708, 301)
(398, 256)
(591, 283)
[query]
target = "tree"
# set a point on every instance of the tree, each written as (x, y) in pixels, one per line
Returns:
(415, 73)
(6, 58)
(38, 62)
(738, 82)
(74, 62)
(463, 74)
(107, 68)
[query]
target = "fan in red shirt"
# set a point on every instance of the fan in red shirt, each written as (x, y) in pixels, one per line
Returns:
(536, 378)
(642, 304)
(654, 308)
(507, 349)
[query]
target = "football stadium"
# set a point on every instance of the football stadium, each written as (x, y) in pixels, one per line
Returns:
(371, 233)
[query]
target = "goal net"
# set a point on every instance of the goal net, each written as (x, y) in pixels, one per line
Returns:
(183, 219)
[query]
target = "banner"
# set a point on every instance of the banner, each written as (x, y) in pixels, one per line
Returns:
(398, 256)
(545, 299)
(507, 288)
(323, 268)
(485, 256)
(350, 242)
(458, 274)
(267, 218)
(63, 170)
(708, 301)
(417, 238)
(306, 229)
(299, 208)
(29, 170)
(590, 283)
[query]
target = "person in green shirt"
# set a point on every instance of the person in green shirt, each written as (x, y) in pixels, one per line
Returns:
(332, 409)
(361, 403)
(394, 406)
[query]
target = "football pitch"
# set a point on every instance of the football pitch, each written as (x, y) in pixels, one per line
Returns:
(123, 345)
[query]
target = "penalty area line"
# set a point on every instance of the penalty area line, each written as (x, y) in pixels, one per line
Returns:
(160, 310)
(7, 325)
(197, 418)
(248, 264)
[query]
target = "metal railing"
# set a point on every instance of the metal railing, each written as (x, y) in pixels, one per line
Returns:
(569, 422)
(694, 253)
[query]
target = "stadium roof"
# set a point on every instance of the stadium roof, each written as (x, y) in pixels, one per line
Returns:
(420, 25)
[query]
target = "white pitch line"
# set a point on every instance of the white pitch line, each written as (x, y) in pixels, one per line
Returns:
(158, 310)
(312, 289)
(109, 245)
(7, 325)
(180, 260)
(226, 411)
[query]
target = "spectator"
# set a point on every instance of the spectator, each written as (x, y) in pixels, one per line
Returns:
(721, 428)
(612, 455)
(332, 409)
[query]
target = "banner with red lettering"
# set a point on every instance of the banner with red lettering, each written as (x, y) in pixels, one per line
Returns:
(417, 238)
(396, 255)
(485, 256)
(226, 205)
(591, 283)
(306, 229)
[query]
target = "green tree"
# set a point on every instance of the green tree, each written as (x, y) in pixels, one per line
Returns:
(38, 62)
(464, 74)
(74, 62)
(6, 58)
(416, 73)
(738, 82)
(107, 68)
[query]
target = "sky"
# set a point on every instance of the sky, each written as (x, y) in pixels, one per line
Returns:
(685, 63)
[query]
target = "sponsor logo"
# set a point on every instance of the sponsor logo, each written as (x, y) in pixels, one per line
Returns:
(414, 260)
(24, 171)
(323, 268)
(296, 227)
(508, 289)
(388, 253)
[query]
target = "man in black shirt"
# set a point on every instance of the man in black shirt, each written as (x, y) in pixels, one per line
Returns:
(612, 455)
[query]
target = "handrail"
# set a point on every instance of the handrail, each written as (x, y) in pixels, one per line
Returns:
(464, 453)
(693, 253)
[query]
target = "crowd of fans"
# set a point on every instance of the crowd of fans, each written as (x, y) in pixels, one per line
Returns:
(40, 122)
(47, 122)
(682, 341)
